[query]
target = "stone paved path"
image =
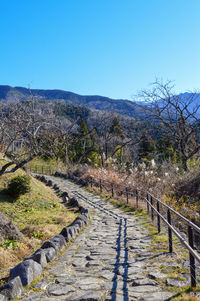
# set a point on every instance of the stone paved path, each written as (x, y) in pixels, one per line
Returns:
(109, 260)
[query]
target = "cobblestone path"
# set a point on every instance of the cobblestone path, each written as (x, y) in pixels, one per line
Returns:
(109, 260)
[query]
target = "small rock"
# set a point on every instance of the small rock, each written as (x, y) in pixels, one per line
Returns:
(157, 275)
(89, 296)
(65, 281)
(42, 178)
(118, 297)
(84, 218)
(145, 254)
(39, 256)
(3, 298)
(144, 281)
(76, 226)
(13, 289)
(65, 194)
(63, 275)
(73, 202)
(176, 282)
(78, 223)
(93, 263)
(158, 296)
(66, 234)
(131, 271)
(108, 276)
(57, 269)
(57, 290)
(42, 285)
(108, 285)
(36, 296)
(92, 286)
(8, 230)
(170, 264)
(145, 288)
(88, 257)
(50, 254)
(27, 270)
(57, 242)
(89, 280)
(78, 262)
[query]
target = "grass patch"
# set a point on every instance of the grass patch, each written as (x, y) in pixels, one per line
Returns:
(187, 294)
(118, 204)
(50, 166)
(38, 214)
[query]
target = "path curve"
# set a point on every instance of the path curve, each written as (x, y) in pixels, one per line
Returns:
(109, 260)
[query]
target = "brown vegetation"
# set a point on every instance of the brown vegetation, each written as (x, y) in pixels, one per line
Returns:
(28, 220)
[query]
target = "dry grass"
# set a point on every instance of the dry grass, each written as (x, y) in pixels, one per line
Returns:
(188, 296)
(48, 167)
(37, 214)
(147, 178)
(161, 181)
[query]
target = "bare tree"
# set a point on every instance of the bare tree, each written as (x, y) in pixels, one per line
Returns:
(179, 114)
(60, 138)
(23, 133)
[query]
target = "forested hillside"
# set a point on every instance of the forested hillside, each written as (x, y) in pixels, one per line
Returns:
(161, 150)
(120, 106)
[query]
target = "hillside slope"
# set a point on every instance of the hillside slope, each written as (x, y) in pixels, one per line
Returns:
(34, 216)
(120, 106)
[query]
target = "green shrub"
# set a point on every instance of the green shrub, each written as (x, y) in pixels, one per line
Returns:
(19, 185)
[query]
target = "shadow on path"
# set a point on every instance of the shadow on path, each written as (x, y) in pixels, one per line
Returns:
(121, 246)
(125, 275)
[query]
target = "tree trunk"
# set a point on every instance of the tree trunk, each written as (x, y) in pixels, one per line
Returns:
(66, 159)
(184, 164)
(106, 150)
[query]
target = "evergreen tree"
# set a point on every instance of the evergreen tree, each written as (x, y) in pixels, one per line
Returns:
(85, 143)
(114, 134)
(116, 129)
(165, 149)
(146, 148)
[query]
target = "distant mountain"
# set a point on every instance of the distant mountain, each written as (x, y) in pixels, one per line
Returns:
(195, 99)
(120, 106)
(124, 107)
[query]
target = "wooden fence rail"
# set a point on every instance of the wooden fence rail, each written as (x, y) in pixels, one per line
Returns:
(155, 208)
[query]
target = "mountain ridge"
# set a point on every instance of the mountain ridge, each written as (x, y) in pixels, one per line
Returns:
(133, 109)
(97, 102)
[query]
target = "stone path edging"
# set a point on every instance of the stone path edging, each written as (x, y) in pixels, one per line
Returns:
(29, 269)
(109, 260)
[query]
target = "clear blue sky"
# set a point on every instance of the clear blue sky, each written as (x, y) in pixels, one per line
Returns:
(103, 47)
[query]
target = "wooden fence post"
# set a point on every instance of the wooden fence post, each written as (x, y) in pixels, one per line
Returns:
(192, 259)
(158, 216)
(126, 195)
(147, 202)
(169, 231)
(152, 210)
(136, 198)
(112, 190)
